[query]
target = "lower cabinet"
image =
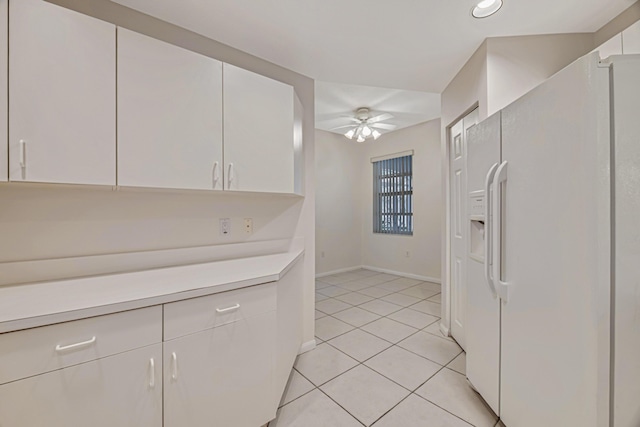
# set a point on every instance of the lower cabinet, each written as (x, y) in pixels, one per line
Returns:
(221, 376)
(224, 361)
(124, 390)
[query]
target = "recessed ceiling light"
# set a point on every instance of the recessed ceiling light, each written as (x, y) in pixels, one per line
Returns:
(486, 8)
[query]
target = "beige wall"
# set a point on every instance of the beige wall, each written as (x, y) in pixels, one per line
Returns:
(61, 221)
(338, 200)
(617, 24)
(515, 65)
(626, 42)
(467, 89)
(344, 205)
(389, 252)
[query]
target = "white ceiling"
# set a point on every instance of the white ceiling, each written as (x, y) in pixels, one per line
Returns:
(335, 102)
(413, 45)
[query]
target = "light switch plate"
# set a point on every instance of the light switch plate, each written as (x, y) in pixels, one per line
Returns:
(225, 226)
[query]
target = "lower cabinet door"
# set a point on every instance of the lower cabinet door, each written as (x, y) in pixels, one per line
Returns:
(124, 390)
(222, 376)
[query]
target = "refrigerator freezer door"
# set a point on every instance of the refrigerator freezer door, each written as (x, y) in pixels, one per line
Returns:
(483, 308)
(626, 103)
(552, 140)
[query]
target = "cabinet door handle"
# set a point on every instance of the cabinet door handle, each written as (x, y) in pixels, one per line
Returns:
(76, 345)
(216, 173)
(152, 373)
(224, 310)
(174, 366)
(230, 175)
(23, 157)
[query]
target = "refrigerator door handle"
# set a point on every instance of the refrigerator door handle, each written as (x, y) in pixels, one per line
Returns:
(496, 227)
(488, 258)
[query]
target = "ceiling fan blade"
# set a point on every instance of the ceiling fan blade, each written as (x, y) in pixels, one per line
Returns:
(384, 126)
(351, 118)
(380, 118)
(343, 127)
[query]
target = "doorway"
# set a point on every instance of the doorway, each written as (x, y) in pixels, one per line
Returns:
(458, 233)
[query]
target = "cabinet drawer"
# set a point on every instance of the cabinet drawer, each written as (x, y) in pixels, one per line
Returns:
(198, 314)
(39, 350)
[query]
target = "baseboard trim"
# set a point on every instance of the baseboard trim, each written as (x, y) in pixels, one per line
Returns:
(307, 346)
(341, 270)
(400, 273)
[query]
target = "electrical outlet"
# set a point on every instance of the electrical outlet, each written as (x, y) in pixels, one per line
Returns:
(248, 226)
(225, 226)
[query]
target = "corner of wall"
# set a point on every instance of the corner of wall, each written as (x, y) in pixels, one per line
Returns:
(618, 24)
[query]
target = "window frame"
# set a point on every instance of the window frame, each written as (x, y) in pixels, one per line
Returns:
(393, 181)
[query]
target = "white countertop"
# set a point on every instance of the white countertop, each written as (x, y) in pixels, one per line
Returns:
(39, 304)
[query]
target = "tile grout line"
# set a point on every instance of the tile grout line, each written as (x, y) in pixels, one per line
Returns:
(322, 391)
(392, 344)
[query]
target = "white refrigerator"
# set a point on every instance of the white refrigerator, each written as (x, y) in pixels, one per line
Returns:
(553, 310)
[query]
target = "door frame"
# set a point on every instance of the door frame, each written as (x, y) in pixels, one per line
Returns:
(445, 315)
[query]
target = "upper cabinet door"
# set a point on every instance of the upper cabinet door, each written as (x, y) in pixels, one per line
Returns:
(258, 132)
(4, 33)
(62, 89)
(169, 115)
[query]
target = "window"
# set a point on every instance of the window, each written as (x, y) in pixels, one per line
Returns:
(393, 195)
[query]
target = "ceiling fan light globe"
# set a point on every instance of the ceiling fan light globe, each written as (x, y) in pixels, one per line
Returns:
(376, 134)
(360, 138)
(366, 131)
(350, 134)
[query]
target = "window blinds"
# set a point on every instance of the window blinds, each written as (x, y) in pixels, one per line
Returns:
(392, 196)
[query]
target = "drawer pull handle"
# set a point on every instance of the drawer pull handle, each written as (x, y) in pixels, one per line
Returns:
(174, 366)
(224, 310)
(76, 345)
(152, 373)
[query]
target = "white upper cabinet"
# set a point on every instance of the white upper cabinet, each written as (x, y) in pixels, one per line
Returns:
(62, 86)
(258, 132)
(4, 147)
(169, 115)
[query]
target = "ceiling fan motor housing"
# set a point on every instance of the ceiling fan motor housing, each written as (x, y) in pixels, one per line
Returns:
(362, 114)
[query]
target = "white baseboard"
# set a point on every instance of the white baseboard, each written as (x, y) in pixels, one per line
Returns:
(401, 274)
(341, 270)
(307, 346)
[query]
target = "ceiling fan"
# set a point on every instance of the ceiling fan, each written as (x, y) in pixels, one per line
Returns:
(365, 126)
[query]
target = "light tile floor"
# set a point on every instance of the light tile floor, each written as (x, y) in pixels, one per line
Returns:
(380, 360)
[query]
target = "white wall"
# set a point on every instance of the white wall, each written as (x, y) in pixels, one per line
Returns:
(338, 202)
(388, 252)
(38, 223)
